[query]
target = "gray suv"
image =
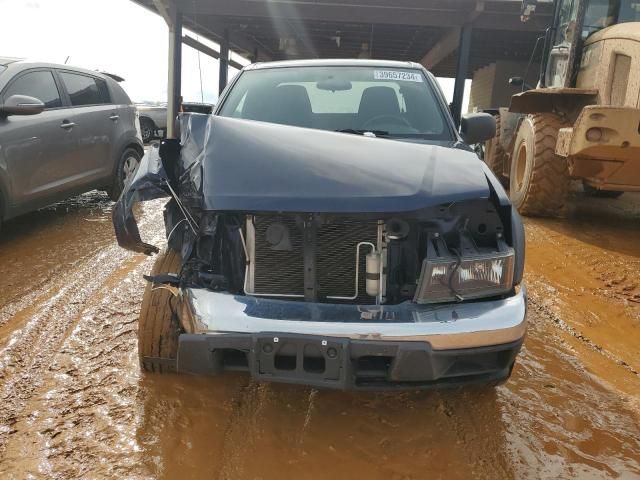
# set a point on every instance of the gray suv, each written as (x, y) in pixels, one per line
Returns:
(63, 131)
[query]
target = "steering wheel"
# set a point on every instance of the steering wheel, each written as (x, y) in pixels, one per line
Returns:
(391, 119)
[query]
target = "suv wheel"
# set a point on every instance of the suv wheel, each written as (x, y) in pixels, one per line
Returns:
(127, 167)
(147, 128)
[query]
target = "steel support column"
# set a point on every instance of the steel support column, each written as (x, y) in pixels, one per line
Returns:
(174, 84)
(461, 73)
(224, 61)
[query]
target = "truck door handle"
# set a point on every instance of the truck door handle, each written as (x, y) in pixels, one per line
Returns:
(114, 117)
(67, 125)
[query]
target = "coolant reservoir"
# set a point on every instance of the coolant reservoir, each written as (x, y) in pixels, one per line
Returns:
(373, 274)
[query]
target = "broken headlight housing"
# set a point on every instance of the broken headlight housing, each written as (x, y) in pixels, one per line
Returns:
(465, 273)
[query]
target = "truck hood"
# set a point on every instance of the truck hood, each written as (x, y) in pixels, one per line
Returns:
(255, 166)
(224, 164)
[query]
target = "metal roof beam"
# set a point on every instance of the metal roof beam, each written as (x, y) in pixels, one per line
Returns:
(163, 10)
(505, 14)
(240, 43)
(441, 50)
(413, 12)
(201, 47)
(450, 41)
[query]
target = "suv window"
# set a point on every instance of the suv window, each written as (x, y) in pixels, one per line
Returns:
(40, 85)
(85, 90)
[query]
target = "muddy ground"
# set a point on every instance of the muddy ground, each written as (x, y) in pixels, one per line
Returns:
(74, 405)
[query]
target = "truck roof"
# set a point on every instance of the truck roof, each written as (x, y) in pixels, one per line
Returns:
(334, 63)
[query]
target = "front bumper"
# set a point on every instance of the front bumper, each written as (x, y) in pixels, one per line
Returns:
(349, 346)
(341, 363)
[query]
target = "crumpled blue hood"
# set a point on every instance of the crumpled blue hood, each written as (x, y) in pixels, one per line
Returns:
(255, 166)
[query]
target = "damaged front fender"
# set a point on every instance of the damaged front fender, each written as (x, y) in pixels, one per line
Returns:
(149, 183)
(160, 172)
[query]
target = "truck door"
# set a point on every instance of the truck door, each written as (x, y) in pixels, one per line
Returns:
(558, 68)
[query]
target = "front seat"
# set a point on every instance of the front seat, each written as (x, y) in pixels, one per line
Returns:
(293, 106)
(377, 101)
(286, 105)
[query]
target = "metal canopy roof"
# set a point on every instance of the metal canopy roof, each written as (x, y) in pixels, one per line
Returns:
(425, 31)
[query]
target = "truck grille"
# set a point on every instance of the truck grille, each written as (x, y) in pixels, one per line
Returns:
(281, 273)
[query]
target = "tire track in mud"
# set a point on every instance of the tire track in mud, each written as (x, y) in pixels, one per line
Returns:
(584, 276)
(241, 431)
(617, 273)
(600, 237)
(310, 434)
(537, 301)
(42, 245)
(560, 421)
(29, 357)
(89, 392)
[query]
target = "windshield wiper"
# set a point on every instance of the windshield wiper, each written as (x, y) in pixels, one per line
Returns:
(377, 133)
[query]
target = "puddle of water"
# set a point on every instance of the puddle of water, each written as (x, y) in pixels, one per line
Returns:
(39, 245)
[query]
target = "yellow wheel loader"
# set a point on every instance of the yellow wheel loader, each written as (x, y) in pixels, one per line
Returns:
(582, 121)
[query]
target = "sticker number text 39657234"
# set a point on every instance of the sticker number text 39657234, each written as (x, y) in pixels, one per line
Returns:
(397, 75)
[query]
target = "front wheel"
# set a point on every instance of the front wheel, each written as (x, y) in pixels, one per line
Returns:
(148, 129)
(127, 167)
(539, 178)
(158, 324)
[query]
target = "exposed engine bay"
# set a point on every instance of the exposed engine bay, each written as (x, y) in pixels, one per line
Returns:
(425, 237)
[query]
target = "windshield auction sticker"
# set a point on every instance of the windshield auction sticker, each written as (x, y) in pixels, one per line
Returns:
(396, 75)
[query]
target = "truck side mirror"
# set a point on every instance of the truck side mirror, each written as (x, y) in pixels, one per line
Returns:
(477, 127)
(21, 105)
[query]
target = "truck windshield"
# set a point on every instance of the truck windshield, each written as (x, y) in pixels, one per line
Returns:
(604, 13)
(389, 102)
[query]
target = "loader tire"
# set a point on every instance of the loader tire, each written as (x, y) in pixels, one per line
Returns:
(158, 325)
(539, 178)
(494, 154)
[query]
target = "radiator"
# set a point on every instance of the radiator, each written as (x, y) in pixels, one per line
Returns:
(279, 271)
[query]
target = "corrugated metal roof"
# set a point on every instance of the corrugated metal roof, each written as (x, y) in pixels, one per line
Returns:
(404, 30)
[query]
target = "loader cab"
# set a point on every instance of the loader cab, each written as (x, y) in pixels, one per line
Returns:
(601, 14)
(563, 38)
(574, 22)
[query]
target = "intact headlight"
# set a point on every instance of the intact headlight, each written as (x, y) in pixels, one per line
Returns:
(457, 279)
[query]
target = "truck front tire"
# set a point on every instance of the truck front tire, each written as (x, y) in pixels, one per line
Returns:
(539, 178)
(158, 325)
